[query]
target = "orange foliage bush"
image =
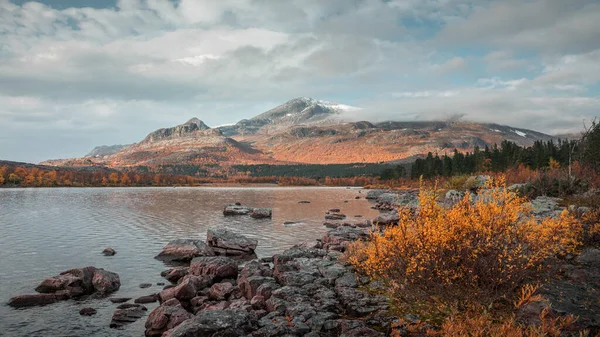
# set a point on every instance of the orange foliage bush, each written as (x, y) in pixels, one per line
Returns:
(473, 252)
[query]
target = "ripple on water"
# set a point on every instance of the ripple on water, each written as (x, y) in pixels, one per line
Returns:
(46, 231)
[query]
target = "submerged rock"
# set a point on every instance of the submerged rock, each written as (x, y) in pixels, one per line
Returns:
(226, 242)
(87, 312)
(184, 250)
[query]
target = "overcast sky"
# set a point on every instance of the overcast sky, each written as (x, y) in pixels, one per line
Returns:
(79, 73)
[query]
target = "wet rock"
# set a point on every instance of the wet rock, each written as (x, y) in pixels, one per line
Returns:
(109, 252)
(160, 283)
(119, 299)
(105, 282)
(87, 311)
(304, 202)
(76, 282)
(261, 213)
(175, 274)
(147, 299)
(226, 242)
(334, 210)
(184, 250)
(220, 291)
(145, 285)
(30, 300)
(236, 209)
(217, 267)
(72, 283)
(127, 315)
(210, 322)
(167, 316)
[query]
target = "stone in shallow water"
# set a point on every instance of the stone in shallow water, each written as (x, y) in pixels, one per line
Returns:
(72, 283)
(261, 213)
(184, 250)
(87, 311)
(127, 314)
(226, 242)
(109, 252)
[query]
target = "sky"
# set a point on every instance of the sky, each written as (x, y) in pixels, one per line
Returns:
(75, 74)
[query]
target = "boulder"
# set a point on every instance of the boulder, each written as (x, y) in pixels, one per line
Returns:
(210, 322)
(184, 250)
(226, 242)
(105, 282)
(236, 209)
(261, 213)
(109, 252)
(387, 218)
(72, 283)
(166, 317)
(388, 198)
(590, 257)
(127, 314)
(173, 275)
(453, 197)
(545, 206)
(374, 194)
(186, 289)
(220, 291)
(216, 267)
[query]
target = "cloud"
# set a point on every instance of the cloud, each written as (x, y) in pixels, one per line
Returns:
(111, 75)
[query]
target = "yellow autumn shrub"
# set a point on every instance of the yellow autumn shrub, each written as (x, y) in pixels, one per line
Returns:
(474, 252)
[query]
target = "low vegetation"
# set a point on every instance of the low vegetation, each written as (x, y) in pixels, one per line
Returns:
(469, 267)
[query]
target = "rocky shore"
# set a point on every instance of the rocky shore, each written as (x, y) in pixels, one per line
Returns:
(221, 288)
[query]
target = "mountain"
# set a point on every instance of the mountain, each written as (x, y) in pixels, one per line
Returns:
(184, 130)
(302, 131)
(298, 111)
(105, 150)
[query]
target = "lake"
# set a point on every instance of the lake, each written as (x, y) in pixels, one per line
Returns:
(46, 231)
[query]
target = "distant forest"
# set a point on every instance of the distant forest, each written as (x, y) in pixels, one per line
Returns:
(507, 155)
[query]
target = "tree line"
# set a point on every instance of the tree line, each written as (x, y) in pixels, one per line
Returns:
(507, 155)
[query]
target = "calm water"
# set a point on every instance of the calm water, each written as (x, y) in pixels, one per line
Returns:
(46, 231)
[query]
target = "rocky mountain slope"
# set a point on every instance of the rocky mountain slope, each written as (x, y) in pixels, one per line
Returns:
(303, 131)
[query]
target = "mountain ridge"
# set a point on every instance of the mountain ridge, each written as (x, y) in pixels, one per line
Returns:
(304, 131)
